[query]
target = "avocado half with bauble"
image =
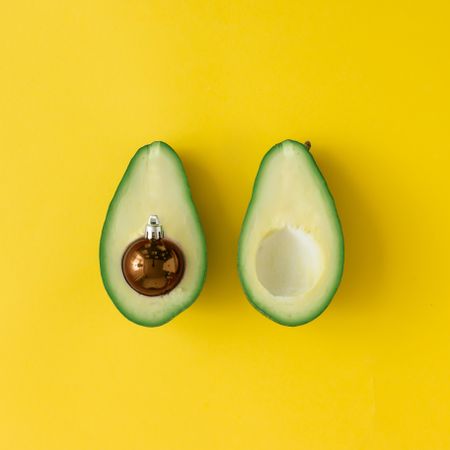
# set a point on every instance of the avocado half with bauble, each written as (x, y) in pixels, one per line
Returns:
(152, 248)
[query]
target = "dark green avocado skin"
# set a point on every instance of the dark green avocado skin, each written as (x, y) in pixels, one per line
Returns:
(292, 321)
(107, 282)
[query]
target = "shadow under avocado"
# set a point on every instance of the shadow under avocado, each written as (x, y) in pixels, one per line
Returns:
(364, 254)
(221, 234)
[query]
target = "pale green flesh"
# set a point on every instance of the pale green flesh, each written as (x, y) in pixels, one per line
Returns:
(154, 183)
(291, 249)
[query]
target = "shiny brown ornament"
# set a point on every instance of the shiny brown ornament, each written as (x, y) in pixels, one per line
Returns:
(153, 265)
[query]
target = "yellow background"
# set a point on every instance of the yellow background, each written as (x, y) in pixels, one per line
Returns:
(84, 84)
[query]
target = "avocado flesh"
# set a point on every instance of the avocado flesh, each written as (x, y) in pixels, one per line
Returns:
(291, 248)
(154, 183)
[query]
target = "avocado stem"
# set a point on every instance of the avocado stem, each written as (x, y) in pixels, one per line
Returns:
(307, 144)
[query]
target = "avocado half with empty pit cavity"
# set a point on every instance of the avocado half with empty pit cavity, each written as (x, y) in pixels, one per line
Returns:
(153, 187)
(291, 248)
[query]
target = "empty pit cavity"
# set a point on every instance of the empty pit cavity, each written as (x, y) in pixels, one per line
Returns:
(288, 262)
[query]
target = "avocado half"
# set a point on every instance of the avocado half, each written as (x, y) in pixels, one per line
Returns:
(154, 183)
(291, 248)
